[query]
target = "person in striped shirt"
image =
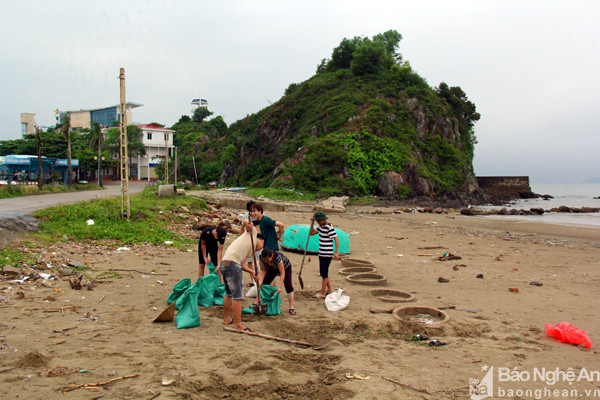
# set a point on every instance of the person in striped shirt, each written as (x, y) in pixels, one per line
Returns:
(328, 249)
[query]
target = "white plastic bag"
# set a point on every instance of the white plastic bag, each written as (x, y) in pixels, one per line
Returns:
(337, 301)
(252, 291)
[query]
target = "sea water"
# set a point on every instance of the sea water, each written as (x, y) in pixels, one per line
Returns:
(574, 195)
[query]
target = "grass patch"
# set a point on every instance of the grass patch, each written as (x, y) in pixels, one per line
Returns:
(108, 275)
(150, 218)
(15, 258)
(362, 200)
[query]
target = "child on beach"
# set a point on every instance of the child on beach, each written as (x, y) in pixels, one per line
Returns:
(328, 248)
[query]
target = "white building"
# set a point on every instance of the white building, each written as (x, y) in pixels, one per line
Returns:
(153, 137)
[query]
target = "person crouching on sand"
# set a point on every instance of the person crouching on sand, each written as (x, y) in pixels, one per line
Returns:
(231, 268)
(273, 263)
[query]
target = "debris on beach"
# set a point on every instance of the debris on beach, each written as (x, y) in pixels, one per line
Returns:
(449, 256)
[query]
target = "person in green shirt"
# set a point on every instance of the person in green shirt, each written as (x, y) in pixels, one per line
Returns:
(267, 227)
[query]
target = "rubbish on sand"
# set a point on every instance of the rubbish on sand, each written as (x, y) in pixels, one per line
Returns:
(167, 315)
(436, 343)
(68, 388)
(449, 256)
(337, 301)
(357, 375)
(567, 333)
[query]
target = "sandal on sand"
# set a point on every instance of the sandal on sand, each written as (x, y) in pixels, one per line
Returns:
(246, 329)
(292, 311)
(317, 296)
(357, 375)
(436, 343)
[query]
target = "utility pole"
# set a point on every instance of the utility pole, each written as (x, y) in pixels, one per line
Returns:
(175, 165)
(38, 134)
(195, 172)
(166, 158)
(125, 205)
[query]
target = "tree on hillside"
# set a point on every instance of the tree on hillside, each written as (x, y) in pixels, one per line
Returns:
(341, 57)
(65, 129)
(200, 113)
(371, 57)
(391, 40)
(465, 112)
(363, 55)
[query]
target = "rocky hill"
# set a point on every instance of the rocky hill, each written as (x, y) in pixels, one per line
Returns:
(365, 123)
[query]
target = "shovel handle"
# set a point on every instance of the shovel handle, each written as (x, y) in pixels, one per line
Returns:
(255, 268)
(312, 223)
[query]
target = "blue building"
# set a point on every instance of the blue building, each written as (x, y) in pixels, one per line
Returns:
(23, 168)
(106, 116)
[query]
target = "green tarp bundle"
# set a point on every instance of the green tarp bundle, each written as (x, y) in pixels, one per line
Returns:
(294, 239)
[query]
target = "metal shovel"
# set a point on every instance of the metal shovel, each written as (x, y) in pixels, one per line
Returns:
(259, 309)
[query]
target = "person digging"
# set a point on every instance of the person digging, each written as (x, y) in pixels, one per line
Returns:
(231, 268)
(272, 264)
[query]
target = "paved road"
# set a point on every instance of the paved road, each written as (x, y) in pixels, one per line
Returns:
(26, 205)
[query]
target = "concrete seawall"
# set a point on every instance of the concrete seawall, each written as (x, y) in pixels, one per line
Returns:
(504, 186)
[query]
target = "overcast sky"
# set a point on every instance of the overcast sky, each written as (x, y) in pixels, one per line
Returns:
(532, 68)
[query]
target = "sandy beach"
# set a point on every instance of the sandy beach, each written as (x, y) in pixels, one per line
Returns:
(52, 336)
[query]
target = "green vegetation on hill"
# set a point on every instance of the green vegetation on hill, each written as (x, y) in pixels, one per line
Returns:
(364, 112)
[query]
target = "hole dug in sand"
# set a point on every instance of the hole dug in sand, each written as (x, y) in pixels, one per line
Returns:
(426, 316)
(357, 270)
(391, 296)
(369, 279)
(355, 262)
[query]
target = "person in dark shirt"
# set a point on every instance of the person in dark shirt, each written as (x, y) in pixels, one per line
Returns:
(210, 244)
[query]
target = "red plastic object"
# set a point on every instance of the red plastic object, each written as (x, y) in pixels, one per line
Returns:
(567, 333)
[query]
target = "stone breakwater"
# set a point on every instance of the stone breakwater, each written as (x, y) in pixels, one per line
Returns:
(474, 211)
(531, 211)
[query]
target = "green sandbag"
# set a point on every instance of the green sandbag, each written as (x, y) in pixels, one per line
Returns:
(179, 289)
(219, 294)
(247, 310)
(211, 267)
(271, 298)
(187, 308)
(207, 285)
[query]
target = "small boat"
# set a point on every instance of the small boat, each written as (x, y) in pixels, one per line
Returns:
(294, 239)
